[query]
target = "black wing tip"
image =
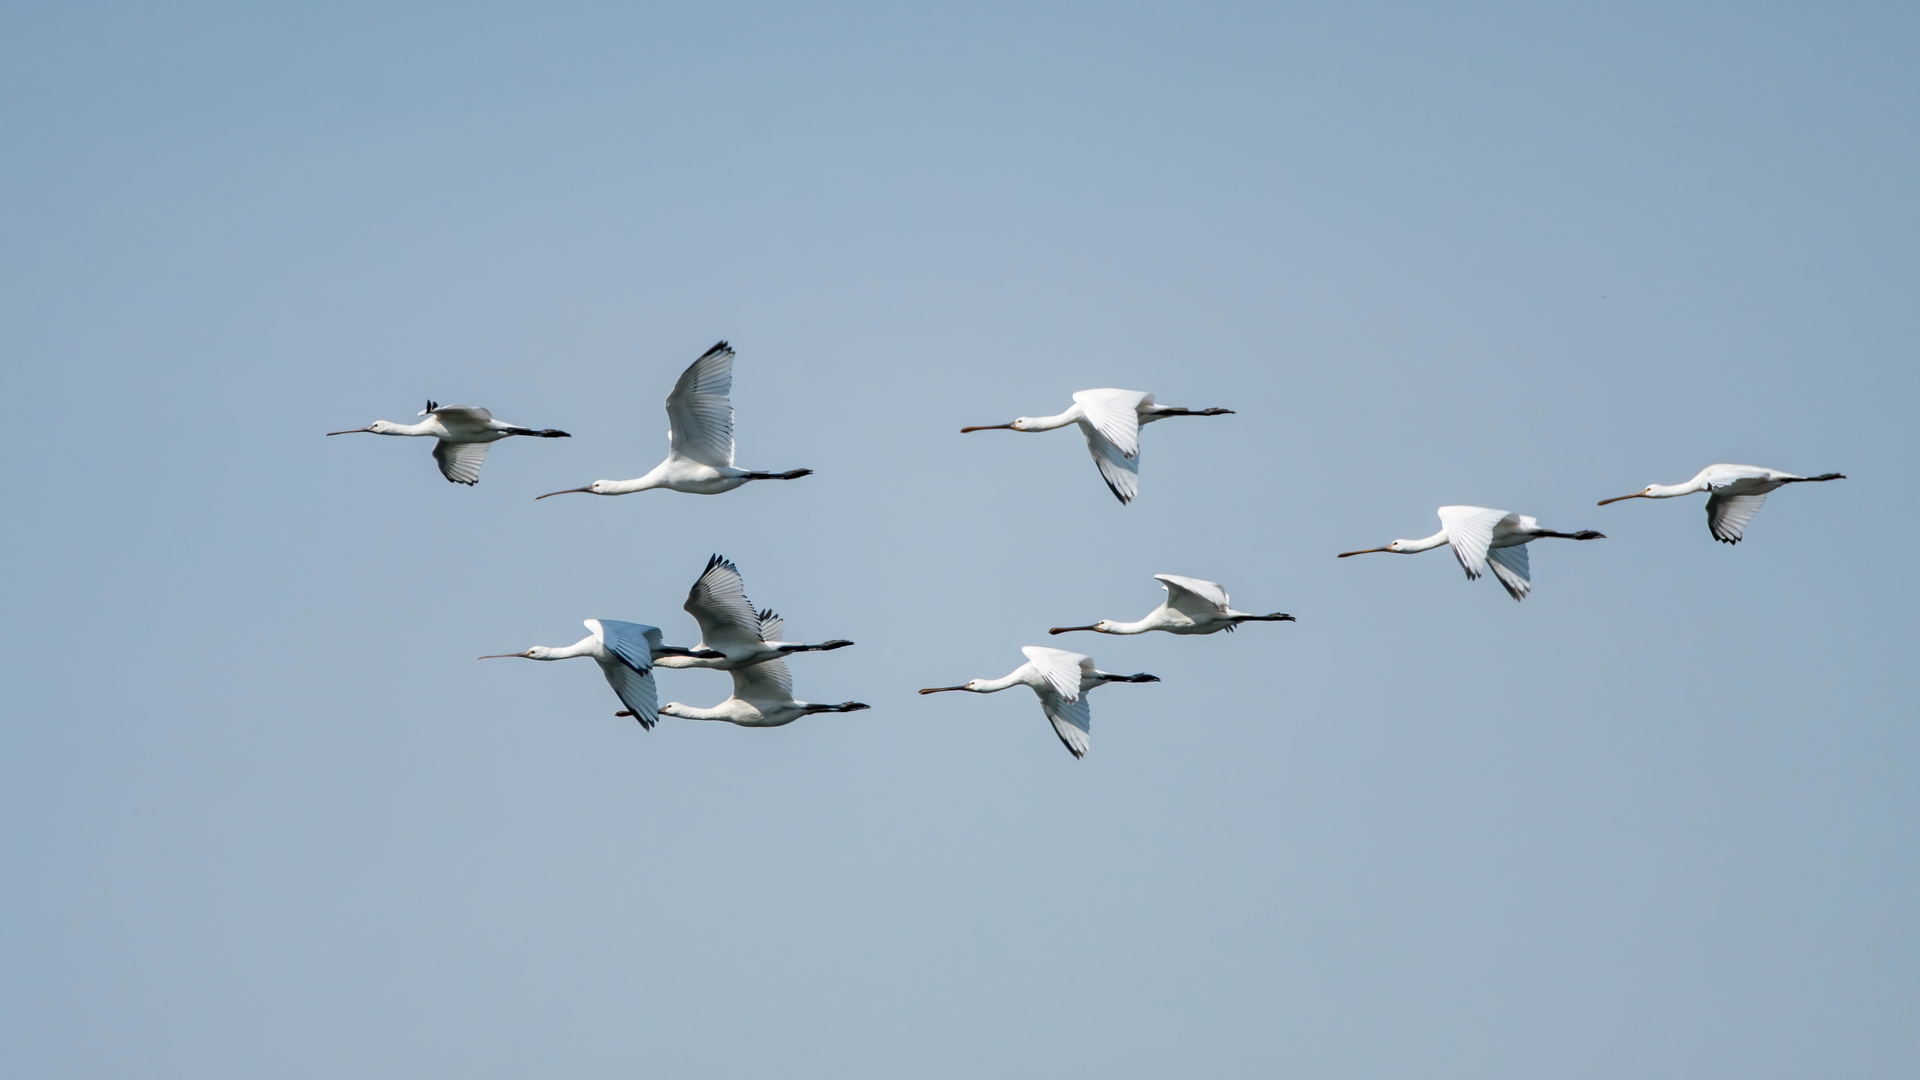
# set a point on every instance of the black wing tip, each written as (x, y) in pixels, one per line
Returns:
(719, 347)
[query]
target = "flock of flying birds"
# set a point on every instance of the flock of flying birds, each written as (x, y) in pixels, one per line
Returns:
(746, 643)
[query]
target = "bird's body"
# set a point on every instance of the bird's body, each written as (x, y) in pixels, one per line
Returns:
(1482, 537)
(1111, 421)
(463, 434)
(1061, 680)
(762, 694)
(1192, 606)
(699, 437)
(1735, 494)
(730, 629)
(625, 653)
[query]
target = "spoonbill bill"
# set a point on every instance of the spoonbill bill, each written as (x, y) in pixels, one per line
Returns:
(762, 694)
(1111, 420)
(464, 433)
(699, 437)
(625, 652)
(1192, 607)
(1736, 493)
(730, 630)
(1497, 538)
(1061, 680)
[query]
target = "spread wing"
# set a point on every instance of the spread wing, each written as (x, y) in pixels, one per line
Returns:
(460, 462)
(769, 680)
(634, 643)
(771, 625)
(1727, 515)
(635, 690)
(1122, 473)
(1059, 667)
(1509, 564)
(718, 602)
(1470, 534)
(1115, 414)
(699, 416)
(1197, 600)
(1071, 720)
(457, 417)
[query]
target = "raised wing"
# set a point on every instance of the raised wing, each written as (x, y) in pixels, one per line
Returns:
(1509, 565)
(1115, 414)
(769, 680)
(1470, 534)
(635, 690)
(771, 625)
(1071, 720)
(1121, 473)
(1197, 600)
(460, 462)
(634, 643)
(1727, 515)
(1059, 667)
(718, 602)
(699, 416)
(456, 417)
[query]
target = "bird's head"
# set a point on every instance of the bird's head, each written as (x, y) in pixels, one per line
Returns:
(971, 685)
(598, 487)
(1644, 493)
(1398, 547)
(1020, 423)
(538, 652)
(1104, 626)
(378, 427)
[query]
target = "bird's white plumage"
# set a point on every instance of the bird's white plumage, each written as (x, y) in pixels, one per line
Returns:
(1470, 533)
(718, 602)
(636, 691)
(1072, 721)
(1511, 568)
(1121, 472)
(461, 419)
(632, 643)
(1061, 669)
(1114, 415)
(460, 462)
(1727, 515)
(699, 414)
(1197, 600)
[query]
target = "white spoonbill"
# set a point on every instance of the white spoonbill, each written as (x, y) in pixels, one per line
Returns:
(625, 651)
(1062, 681)
(1111, 421)
(730, 630)
(1496, 538)
(762, 694)
(464, 432)
(1736, 493)
(1192, 607)
(699, 437)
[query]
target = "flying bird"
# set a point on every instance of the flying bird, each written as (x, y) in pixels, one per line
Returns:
(1192, 607)
(762, 694)
(699, 437)
(1111, 420)
(1736, 493)
(1495, 538)
(464, 433)
(625, 652)
(1061, 680)
(730, 630)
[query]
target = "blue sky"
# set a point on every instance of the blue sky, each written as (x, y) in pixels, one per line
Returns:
(264, 814)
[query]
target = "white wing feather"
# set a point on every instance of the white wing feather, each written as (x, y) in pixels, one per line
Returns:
(769, 680)
(718, 602)
(1121, 473)
(699, 416)
(1727, 515)
(1060, 668)
(460, 462)
(1197, 600)
(1115, 414)
(1470, 534)
(1510, 566)
(1071, 720)
(635, 690)
(634, 643)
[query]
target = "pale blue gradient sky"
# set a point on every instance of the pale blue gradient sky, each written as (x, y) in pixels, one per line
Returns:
(261, 813)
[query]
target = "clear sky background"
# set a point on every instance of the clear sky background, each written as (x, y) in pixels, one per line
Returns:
(262, 814)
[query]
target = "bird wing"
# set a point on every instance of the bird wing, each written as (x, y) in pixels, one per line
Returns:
(1197, 600)
(1059, 667)
(460, 461)
(1509, 564)
(635, 690)
(462, 416)
(1122, 473)
(699, 416)
(769, 680)
(1470, 533)
(1115, 414)
(1727, 515)
(771, 625)
(634, 643)
(1072, 721)
(718, 602)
